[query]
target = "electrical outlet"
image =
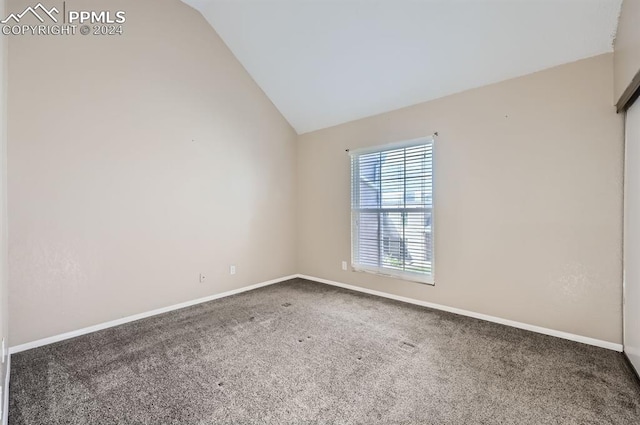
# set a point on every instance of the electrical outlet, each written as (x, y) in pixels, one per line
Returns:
(232, 269)
(202, 278)
(344, 265)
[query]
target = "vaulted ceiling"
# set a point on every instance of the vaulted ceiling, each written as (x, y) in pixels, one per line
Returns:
(325, 62)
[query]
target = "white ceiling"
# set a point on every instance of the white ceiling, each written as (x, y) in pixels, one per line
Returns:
(325, 62)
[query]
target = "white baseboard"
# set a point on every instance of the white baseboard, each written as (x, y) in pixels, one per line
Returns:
(5, 400)
(525, 326)
(519, 325)
(112, 323)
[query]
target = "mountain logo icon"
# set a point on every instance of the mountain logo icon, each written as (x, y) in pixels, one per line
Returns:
(34, 11)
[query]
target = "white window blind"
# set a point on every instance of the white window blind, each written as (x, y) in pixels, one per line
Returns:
(392, 210)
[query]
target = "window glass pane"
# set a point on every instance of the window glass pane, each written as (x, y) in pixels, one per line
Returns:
(392, 193)
(368, 241)
(394, 250)
(418, 241)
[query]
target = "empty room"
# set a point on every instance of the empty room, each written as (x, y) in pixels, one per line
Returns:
(320, 212)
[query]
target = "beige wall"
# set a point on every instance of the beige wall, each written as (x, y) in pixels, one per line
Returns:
(136, 163)
(4, 272)
(627, 46)
(528, 192)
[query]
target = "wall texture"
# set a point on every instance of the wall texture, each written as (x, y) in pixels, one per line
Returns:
(627, 46)
(528, 199)
(136, 163)
(4, 270)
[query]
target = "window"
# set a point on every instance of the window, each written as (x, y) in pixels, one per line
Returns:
(392, 210)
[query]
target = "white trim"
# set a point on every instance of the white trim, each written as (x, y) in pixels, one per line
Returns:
(428, 279)
(5, 401)
(112, 323)
(559, 334)
(101, 326)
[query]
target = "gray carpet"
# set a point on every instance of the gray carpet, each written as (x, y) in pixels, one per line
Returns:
(304, 352)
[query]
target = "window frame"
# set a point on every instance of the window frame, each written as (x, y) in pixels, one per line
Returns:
(428, 279)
